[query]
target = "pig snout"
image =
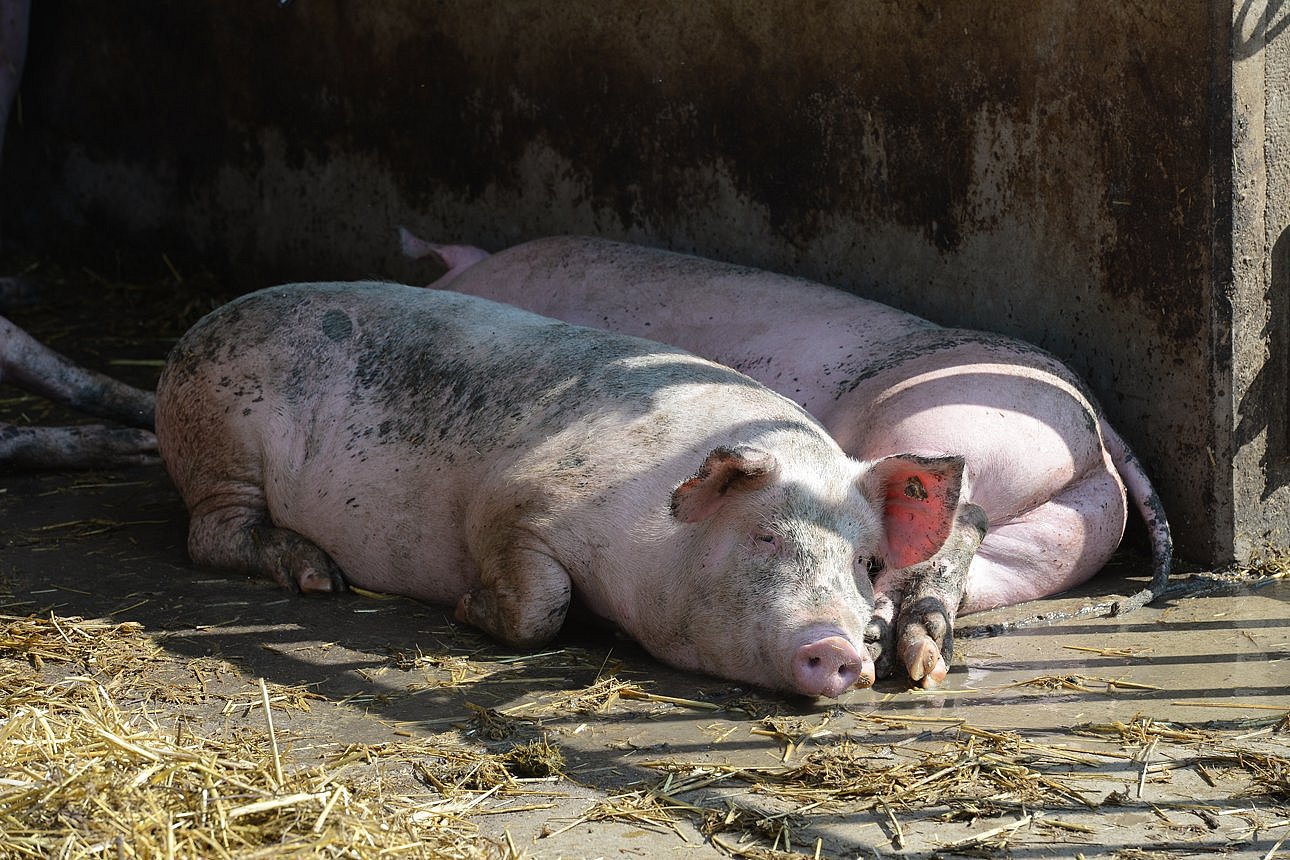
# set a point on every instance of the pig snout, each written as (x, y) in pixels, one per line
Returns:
(830, 666)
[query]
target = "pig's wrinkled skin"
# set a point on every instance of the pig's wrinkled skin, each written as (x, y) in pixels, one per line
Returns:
(30, 365)
(460, 451)
(1047, 469)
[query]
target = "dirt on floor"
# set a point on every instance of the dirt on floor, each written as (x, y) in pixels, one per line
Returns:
(362, 727)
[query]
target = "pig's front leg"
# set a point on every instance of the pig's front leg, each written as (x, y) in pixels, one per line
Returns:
(913, 621)
(521, 599)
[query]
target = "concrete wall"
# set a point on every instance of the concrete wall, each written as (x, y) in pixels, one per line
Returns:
(1259, 284)
(1062, 171)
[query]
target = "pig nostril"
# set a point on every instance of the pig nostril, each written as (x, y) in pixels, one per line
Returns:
(827, 667)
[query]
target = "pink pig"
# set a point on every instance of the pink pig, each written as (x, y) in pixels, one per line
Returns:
(461, 451)
(1042, 462)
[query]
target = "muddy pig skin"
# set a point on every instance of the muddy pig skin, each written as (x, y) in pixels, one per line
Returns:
(464, 452)
(1042, 462)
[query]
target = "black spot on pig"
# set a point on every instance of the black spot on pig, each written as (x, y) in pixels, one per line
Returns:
(337, 326)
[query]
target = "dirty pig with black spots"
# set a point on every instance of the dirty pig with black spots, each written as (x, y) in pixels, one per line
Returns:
(469, 453)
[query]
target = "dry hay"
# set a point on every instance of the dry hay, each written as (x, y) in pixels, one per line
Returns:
(976, 773)
(98, 758)
(88, 773)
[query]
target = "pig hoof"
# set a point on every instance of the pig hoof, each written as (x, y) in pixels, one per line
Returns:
(933, 679)
(923, 661)
(879, 639)
(320, 582)
(829, 667)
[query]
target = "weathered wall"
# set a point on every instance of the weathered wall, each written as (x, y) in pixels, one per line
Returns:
(1046, 169)
(1260, 277)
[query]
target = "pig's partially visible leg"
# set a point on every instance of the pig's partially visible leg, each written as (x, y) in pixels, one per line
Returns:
(454, 258)
(231, 529)
(85, 447)
(523, 594)
(28, 364)
(913, 622)
(32, 366)
(1069, 538)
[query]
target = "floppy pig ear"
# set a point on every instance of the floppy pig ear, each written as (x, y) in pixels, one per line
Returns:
(919, 498)
(725, 471)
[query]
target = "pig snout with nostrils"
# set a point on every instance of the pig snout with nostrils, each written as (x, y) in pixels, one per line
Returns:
(456, 450)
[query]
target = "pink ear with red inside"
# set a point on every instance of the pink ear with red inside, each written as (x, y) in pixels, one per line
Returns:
(725, 472)
(919, 497)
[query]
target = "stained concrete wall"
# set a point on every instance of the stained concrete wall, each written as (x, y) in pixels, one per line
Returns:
(1082, 174)
(1259, 286)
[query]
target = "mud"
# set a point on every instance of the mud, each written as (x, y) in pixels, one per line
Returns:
(111, 544)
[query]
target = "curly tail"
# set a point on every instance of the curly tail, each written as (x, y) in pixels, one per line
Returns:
(1149, 506)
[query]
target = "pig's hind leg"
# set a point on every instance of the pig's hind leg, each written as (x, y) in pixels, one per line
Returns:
(238, 535)
(1051, 548)
(522, 597)
(28, 364)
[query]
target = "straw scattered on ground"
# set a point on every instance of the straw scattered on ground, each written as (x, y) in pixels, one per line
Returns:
(90, 767)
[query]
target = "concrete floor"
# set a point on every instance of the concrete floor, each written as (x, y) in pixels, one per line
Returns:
(1035, 705)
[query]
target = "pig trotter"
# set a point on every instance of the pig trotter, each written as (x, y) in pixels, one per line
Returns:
(91, 446)
(920, 635)
(879, 635)
(229, 538)
(294, 562)
(521, 600)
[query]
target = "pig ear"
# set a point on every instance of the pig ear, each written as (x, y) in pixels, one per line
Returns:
(725, 471)
(919, 497)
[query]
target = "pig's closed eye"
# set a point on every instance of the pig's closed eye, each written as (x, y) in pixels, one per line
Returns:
(766, 540)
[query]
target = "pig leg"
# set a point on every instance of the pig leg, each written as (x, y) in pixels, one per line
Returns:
(84, 447)
(1068, 538)
(522, 597)
(34, 367)
(915, 607)
(454, 258)
(27, 364)
(231, 529)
